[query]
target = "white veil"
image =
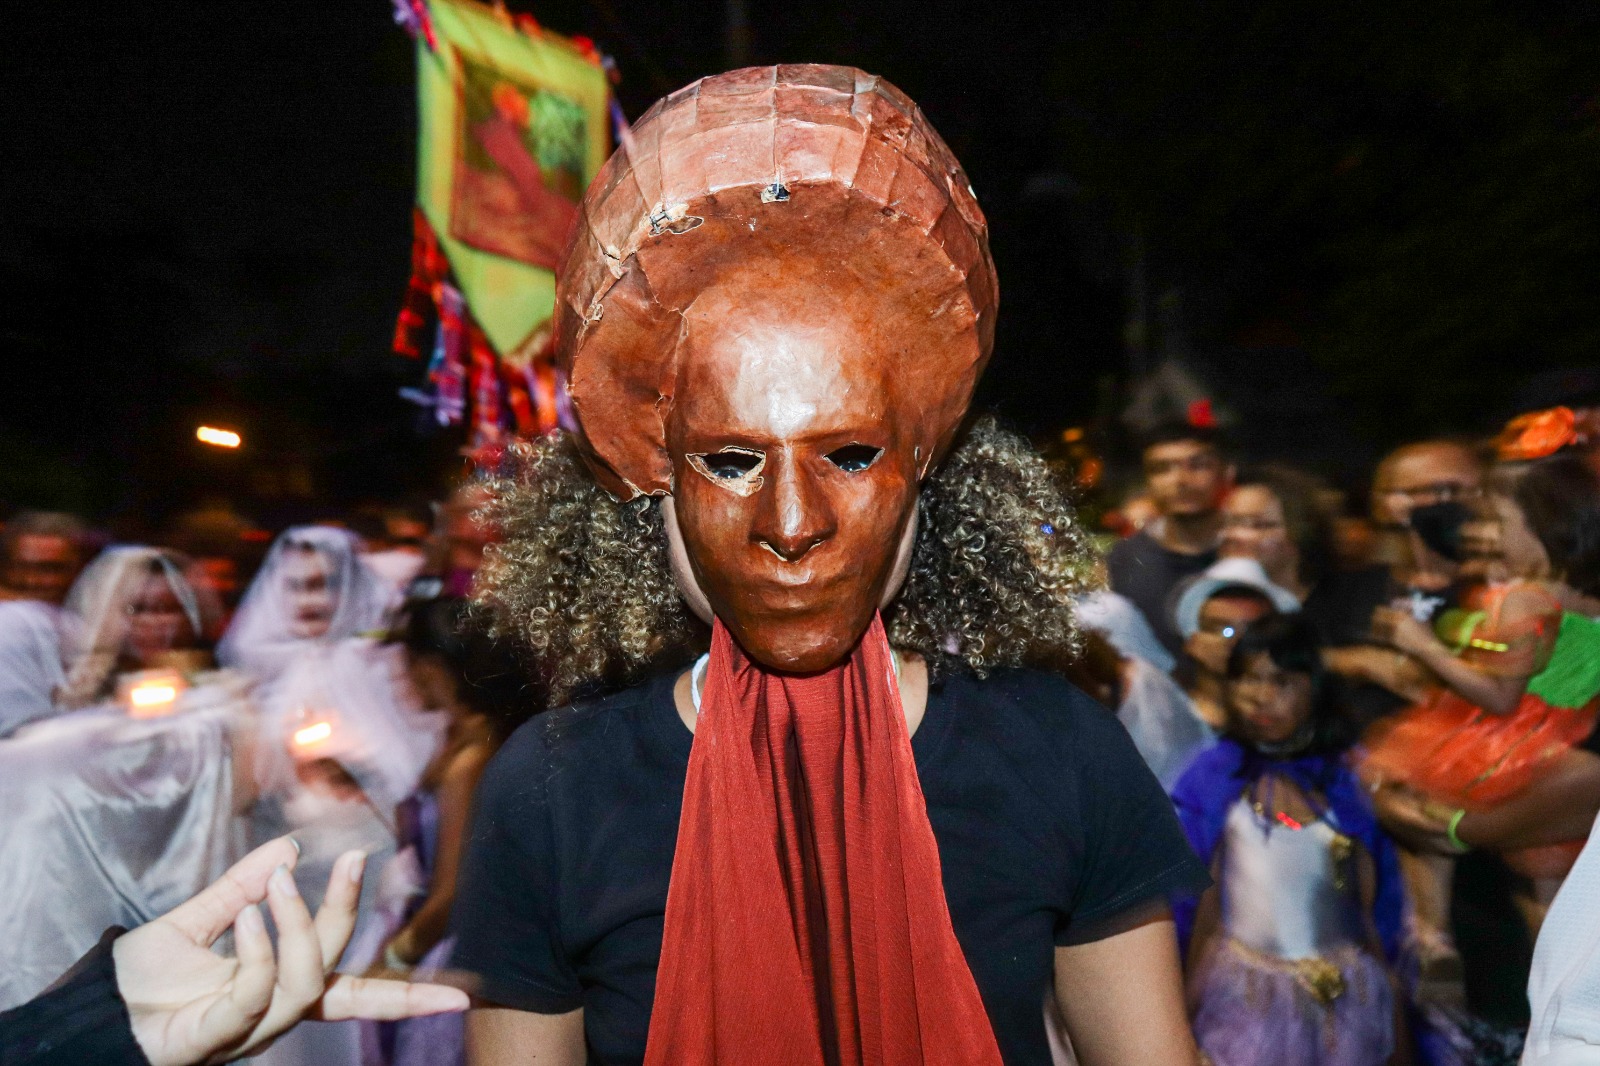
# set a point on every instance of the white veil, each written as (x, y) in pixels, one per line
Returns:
(259, 641)
(97, 614)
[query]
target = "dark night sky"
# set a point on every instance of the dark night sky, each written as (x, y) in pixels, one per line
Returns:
(206, 213)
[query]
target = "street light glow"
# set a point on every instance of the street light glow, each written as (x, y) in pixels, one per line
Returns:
(222, 438)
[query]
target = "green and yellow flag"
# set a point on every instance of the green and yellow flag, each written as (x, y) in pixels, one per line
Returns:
(513, 125)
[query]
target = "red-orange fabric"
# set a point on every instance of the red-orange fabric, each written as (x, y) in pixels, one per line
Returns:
(806, 920)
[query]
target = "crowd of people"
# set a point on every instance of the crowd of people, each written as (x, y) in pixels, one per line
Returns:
(1380, 734)
(155, 724)
(750, 739)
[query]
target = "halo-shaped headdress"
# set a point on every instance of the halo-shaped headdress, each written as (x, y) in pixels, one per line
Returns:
(773, 172)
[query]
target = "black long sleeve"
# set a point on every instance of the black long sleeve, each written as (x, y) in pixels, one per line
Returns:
(79, 1021)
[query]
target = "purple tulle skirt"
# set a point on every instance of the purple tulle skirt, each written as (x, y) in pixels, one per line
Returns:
(1258, 1010)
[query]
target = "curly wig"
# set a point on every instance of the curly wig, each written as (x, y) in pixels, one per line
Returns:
(583, 580)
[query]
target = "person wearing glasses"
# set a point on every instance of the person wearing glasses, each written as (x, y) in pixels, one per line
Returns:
(1422, 496)
(1421, 493)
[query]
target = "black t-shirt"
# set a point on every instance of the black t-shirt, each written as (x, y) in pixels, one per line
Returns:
(1141, 569)
(1049, 828)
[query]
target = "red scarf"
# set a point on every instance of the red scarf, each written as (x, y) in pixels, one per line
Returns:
(806, 920)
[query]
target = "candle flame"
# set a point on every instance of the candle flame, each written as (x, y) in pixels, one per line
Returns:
(313, 734)
(151, 695)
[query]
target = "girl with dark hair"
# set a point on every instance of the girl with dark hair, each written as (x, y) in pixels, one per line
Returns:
(1289, 955)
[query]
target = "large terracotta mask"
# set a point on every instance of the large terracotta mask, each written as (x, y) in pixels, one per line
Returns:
(774, 311)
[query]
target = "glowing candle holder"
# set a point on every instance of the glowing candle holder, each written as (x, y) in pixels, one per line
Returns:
(150, 693)
(313, 733)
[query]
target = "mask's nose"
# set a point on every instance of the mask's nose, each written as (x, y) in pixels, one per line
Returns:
(793, 514)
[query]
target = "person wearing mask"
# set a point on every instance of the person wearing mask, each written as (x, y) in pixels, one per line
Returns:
(1520, 693)
(159, 995)
(41, 553)
(737, 858)
(1421, 497)
(390, 544)
(1212, 611)
(1188, 476)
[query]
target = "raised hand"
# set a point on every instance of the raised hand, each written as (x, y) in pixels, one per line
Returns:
(190, 1005)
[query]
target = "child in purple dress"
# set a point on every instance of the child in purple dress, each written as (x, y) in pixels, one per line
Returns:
(1289, 955)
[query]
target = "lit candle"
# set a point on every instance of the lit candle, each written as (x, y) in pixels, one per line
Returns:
(313, 736)
(152, 693)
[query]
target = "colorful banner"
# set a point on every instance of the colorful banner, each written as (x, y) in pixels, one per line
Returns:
(513, 125)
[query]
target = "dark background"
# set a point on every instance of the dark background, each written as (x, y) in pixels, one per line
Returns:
(1354, 223)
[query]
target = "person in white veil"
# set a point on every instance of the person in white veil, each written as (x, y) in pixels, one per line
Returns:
(327, 691)
(31, 672)
(112, 818)
(341, 738)
(132, 609)
(311, 589)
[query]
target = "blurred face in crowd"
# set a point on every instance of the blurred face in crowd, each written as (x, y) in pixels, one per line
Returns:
(308, 593)
(1222, 619)
(1186, 477)
(1420, 475)
(1253, 527)
(157, 623)
(42, 567)
(1269, 705)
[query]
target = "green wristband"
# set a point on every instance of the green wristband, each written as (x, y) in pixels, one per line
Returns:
(1450, 832)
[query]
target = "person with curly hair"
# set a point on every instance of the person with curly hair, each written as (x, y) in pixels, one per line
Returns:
(811, 804)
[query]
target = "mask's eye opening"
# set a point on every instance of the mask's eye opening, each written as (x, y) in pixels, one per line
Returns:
(854, 458)
(737, 468)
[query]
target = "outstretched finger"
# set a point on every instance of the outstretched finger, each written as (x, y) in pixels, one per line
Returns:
(205, 917)
(336, 918)
(382, 1000)
(300, 975)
